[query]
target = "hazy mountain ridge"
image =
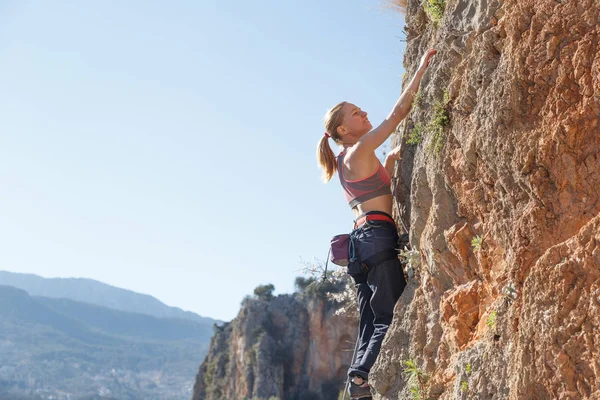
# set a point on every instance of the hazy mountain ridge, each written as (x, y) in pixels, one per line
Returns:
(129, 324)
(98, 293)
(74, 350)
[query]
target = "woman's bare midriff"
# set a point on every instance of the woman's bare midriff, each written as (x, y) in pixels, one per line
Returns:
(381, 203)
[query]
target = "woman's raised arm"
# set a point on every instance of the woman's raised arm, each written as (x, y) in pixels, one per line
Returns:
(375, 138)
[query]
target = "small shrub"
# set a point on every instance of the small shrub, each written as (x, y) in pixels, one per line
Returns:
(469, 369)
(476, 243)
(415, 135)
(416, 379)
(434, 10)
(418, 99)
(441, 119)
(464, 386)
(321, 288)
(415, 393)
(343, 297)
(301, 283)
(412, 258)
(491, 319)
(264, 292)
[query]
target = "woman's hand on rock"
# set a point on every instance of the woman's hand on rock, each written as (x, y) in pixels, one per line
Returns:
(426, 59)
(394, 154)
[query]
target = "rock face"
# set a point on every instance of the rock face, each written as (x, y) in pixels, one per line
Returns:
(291, 347)
(505, 210)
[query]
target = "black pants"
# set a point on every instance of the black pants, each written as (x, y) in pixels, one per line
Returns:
(378, 288)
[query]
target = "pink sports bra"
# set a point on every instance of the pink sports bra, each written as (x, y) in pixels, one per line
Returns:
(357, 192)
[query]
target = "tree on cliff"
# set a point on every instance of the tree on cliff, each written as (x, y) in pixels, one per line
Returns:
(264, 292)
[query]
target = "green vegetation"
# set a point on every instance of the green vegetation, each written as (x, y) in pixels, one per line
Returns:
(301, 283)
(441, 119)
(476, 243)
(411, 256)
(416, 379)
(418, 99)
(464, 385)
(411, 259)
(491, 320)
(317, 288)
(264, 292)
(434, 10)
(415, 135)
(416, 393)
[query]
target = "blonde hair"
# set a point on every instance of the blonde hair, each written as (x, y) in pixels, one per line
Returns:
(325, 157)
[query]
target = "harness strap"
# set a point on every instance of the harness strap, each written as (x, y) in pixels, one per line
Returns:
(373, 217)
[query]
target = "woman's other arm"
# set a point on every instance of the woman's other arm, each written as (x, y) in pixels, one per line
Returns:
(390, 160)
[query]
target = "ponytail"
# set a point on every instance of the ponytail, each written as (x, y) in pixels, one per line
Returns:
(333, 120)
(326, 159)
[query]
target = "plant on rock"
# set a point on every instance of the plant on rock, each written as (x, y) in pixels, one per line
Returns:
(491, 320)
(416, 379)
(476, 243)
(415, 135)
(434, 9)
(264, 292)
(441, 119)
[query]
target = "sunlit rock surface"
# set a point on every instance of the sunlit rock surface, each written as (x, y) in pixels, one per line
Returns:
(515, 313)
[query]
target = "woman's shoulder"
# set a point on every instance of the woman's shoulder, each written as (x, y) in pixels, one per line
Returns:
(360, 162)
(355, 153)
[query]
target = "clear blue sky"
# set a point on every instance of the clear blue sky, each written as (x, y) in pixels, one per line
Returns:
(169, 147)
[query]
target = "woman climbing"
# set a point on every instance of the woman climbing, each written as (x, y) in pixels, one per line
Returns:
(377, 274)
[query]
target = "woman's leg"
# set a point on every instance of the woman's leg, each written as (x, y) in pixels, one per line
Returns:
(366, 327)
(386, 281)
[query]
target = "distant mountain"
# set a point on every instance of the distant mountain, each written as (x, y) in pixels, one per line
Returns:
(64, 349)
(127, 324)
(94, 292)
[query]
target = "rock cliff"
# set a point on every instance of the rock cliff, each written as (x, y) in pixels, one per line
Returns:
(287, 347)
(501, 184)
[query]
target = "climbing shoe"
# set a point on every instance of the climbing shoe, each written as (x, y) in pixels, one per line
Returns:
(359, 392)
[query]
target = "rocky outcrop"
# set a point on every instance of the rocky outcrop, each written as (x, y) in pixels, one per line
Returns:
(503, 205)
(289, 347)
